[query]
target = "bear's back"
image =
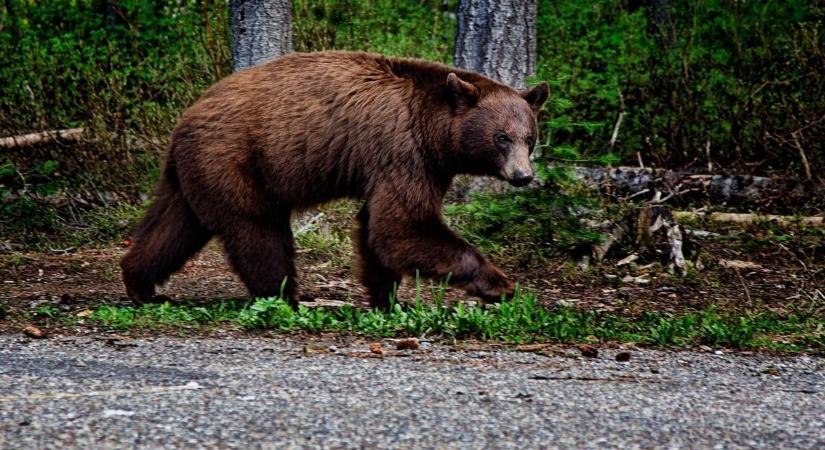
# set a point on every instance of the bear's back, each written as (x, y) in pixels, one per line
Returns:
(317, 84)
(304, 128)
(314, 126)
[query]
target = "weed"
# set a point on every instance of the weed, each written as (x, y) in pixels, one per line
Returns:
(166, 314)
(46, 312)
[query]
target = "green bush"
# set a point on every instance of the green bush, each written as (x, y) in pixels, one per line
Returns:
(745, 78)
(423, 29)
(124, 70)
(542, 220)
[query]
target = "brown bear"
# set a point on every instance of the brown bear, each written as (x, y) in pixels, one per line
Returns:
(308, 128)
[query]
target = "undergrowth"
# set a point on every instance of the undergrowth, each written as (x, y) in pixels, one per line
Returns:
(545, 221)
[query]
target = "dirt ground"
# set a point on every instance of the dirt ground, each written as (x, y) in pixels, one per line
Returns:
(736, 276)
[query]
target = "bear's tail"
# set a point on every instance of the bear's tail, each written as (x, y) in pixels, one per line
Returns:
(167, 236)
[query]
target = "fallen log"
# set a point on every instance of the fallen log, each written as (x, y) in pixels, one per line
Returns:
(747, 219)
(680, 188)
(42, 137)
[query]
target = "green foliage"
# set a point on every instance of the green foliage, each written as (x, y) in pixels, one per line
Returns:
(124, 70)
(116, 66)
(745, 77)
(545, 219)
(166, 314)
(424, 29)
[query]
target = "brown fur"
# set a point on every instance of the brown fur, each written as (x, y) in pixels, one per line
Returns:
(309, 128)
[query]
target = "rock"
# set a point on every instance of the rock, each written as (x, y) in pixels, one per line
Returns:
(623, 356)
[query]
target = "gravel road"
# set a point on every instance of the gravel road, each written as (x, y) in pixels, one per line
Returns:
(87, 392)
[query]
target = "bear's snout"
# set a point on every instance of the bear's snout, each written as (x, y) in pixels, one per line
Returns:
(521, 178)
(517, 170)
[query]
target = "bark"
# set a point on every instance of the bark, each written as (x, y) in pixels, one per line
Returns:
(498, 39)
(680, 188)
(261, 31)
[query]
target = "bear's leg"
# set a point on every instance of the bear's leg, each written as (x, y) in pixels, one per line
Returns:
(411, 241)
(165, 239)
(380, 281)
(262, 252)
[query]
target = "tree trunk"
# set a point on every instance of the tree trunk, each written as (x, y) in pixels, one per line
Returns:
(497, 38)
(261, 31)
(662, 22)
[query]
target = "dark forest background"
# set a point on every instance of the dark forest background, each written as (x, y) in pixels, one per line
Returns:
(737, 84)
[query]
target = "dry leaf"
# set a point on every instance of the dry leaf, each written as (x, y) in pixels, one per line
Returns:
(376, 348)
(34, 332)
(407, 344)
(629, 259)
(310, 349)
(588, 351)
(531, 348)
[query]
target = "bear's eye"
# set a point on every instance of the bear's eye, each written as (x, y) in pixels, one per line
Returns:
(502, 138)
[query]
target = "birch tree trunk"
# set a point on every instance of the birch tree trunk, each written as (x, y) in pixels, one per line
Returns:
(261, 31)
(497, 38)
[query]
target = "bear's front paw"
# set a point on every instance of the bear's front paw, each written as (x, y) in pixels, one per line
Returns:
(493, 285)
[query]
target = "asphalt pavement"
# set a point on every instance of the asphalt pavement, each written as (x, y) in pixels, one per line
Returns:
(102, 392)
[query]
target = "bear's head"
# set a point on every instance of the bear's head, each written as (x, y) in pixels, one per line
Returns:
(494, 128)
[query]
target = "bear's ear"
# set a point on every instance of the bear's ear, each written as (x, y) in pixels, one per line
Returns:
(536, 96)
(461, 91)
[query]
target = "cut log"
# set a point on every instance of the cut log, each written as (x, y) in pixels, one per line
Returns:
(680, 188)
(42, 137)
